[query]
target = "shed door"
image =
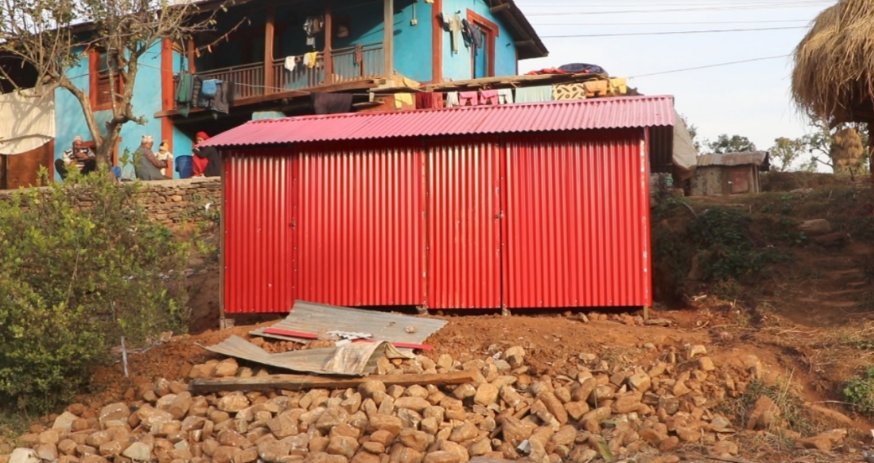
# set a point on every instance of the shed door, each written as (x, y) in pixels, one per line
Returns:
(259, 232)
(576, 227)
(22, 170)
(739, 180)
(464, 249)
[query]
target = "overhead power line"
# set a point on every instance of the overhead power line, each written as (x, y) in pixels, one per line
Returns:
(671, 32)
(710, 66)
(679, 10)
(678, 23)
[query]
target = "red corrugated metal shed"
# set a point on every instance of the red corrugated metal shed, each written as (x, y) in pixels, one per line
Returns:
(514, 206)
(592, 114)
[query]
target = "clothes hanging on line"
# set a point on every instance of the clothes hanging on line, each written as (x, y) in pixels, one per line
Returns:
(536, 94)
(452, 100)
(505, 96)
(488, 97)
(310, 59)
(455, 28)
(468, 98)
(402, 99)
(312, 26)
(429, 100)
(290, 63)
(564, 92)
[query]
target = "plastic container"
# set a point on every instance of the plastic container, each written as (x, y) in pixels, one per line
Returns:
(184, 166)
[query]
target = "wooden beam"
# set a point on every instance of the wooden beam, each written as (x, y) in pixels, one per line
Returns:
(192, 57)
(329, 39)
(269, 29)
(437, 43)
(302, 382)
(388, 38)
(499, 8)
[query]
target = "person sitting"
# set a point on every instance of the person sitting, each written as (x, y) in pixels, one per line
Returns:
(80, 156)
(165, 155)
(209, 154)
(147, 165)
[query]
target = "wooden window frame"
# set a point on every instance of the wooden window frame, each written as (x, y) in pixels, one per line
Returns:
(95, 82)
(492, 32)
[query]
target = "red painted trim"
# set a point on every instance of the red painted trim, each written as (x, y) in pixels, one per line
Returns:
(93, 58)
(492, 33)
(167, 91)
(436, 43)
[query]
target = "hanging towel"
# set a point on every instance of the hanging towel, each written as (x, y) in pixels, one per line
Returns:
(455, 27)
(534, 94)
(209, 88)
(332, 103)
(429, 100)
(468, 98)
(505, 96)
(452, 100)
(488, 97)
(402, 99)
(310, 59)
(290, 63)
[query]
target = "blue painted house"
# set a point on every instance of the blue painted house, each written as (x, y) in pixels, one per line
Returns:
(276, 63)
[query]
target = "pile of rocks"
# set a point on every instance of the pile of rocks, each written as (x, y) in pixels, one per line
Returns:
(593, 410)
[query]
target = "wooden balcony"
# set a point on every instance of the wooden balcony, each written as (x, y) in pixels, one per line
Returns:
(256, 82)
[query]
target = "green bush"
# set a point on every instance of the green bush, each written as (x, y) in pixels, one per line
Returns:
(859, 391)
(80, 266)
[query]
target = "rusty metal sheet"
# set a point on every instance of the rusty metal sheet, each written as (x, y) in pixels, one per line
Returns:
(259, 243)
(355, 359)
(360, 221)
(555, 116)
(464, 224)
(576, 227)
(756, 158)
(310, 317)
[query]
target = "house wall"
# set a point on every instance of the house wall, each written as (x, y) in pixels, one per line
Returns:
(707, 181)
(458, 66)
(412, 44)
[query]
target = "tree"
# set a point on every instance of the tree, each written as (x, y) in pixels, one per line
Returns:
(693, 132)
(56, 37)
(734, 144)
(786, 151)
(843, 148)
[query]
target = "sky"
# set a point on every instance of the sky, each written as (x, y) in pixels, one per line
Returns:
(751, 99)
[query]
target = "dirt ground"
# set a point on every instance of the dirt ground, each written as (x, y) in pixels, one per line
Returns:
(807, 322)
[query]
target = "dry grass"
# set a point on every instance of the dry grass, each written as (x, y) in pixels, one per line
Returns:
(834, 63)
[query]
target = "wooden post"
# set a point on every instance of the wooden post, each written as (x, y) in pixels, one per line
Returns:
(329, 39)
(388, 38)
(268, 51)
(192, 56)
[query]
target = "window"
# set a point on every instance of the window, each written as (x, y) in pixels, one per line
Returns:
(483, 59)
(102, 85)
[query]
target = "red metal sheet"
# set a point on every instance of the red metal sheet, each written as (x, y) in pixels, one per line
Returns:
(258, 239)
(576, 229)
(360, 218)
(464, 224)
(597, 113)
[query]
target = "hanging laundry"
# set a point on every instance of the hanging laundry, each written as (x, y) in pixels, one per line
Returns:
(468, 98)
(310, 59)
(429, 100)
(488, 97)
(564, 92)
(452, 100)
(455, 27)
(209, 88)
(290, 63)
(475, 36)
(332, 103)
(184, 92)
(505, 96)
(402, 99)
(534, 94)
(312, 26)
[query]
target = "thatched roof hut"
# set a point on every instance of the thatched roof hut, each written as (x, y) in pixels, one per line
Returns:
(833, 77)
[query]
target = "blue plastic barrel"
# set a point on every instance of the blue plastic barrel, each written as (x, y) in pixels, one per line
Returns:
(184, 166)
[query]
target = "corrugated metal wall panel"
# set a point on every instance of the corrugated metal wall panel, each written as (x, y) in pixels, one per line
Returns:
(361, 225)
(258, 238)
(576, 230)
(463, 224)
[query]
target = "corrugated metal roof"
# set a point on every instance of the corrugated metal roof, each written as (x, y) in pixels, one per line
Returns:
(309, 317)
(352, 359)
(756, 158)
(598, 113)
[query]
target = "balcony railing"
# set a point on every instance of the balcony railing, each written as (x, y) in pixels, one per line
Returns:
(248, 79)
(358, 62)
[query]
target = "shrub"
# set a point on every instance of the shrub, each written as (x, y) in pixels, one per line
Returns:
(859, 391)
(80, 266)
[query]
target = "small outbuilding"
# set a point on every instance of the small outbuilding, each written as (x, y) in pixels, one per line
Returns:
(729, 174)
(541, 205)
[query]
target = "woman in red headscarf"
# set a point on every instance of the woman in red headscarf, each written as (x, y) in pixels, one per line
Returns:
(206, 161)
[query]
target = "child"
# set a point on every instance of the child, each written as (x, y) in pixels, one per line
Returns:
(164, 154)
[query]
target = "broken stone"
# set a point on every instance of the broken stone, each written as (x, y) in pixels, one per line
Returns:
(138, 451)
(416, 440)
(233, 403)
(465, 432)
(763, 414)
(417, 404)
(486, 394)
(226, 368)
(639, 382)
(706, 364)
